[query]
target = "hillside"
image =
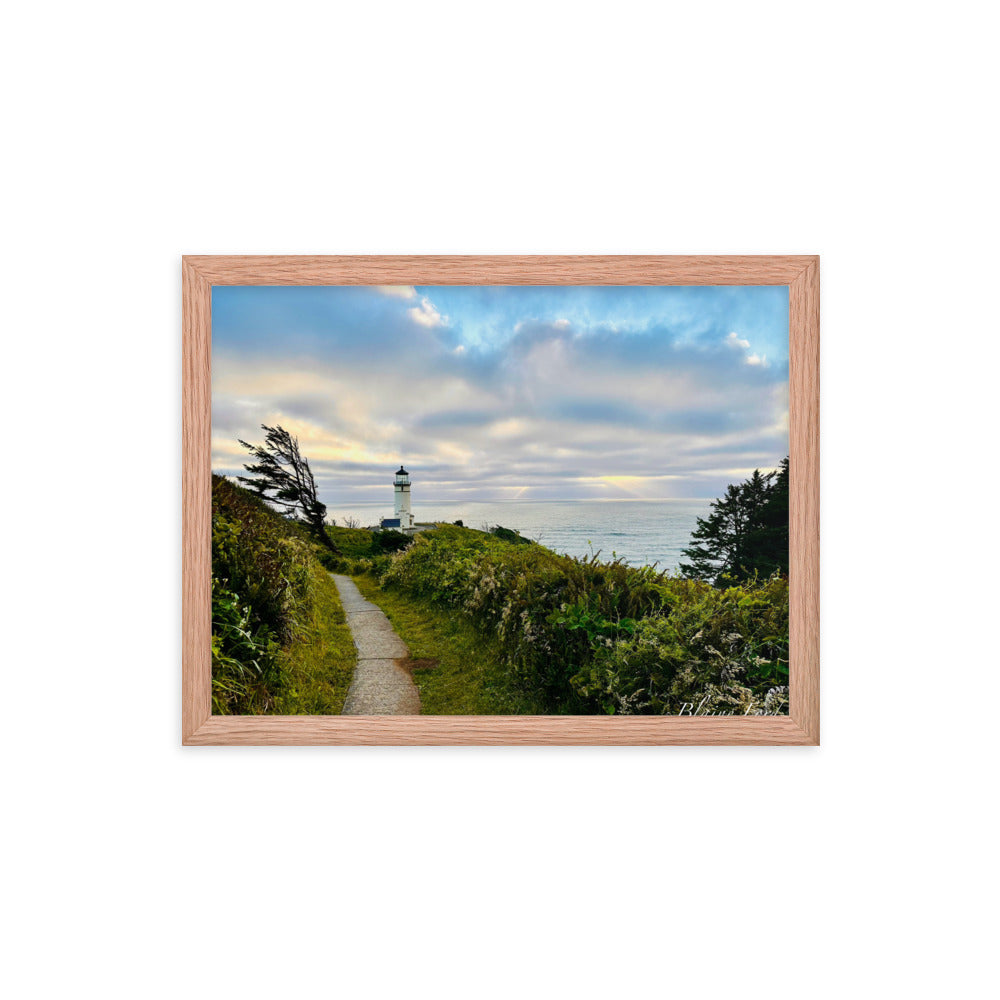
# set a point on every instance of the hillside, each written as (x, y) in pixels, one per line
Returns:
(581, 636)
(494, 624)
(280, 643)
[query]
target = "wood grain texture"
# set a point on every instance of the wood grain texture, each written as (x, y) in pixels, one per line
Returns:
(511, 270)
(803, 509)
(513, 730)
(196, 480)
(800, 728)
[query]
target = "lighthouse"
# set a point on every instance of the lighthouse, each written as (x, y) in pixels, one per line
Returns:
(402, 504)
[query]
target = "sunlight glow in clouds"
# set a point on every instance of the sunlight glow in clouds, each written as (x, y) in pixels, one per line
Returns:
(489, 392)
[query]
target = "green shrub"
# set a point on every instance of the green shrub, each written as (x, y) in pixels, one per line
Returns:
(352, 542)
(330, 561)
(260, 556)
(717, 651)
(360, 543)
(245, 669)
(261, 595)
(389, 541)
(509, 535)
(584, 636)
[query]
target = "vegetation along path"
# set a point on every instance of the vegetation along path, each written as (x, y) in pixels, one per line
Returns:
(382, 685)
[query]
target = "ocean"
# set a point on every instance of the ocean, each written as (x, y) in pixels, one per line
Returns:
(642, 532)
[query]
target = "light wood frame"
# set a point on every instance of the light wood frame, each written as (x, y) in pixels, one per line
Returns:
(799, 273)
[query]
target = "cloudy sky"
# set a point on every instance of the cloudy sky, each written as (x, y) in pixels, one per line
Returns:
(494, 393)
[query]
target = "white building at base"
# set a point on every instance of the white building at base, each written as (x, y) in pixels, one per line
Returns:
(403, 517)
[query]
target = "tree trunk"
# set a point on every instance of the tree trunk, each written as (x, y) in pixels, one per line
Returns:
(320, 530)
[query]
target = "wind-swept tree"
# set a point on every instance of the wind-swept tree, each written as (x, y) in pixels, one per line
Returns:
(746, 534)
(282, 477)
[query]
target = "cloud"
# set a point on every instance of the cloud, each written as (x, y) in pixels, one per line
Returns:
(564, 392)
(396, 291)
(426, 315)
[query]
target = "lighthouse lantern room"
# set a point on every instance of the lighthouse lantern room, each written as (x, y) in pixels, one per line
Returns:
(402, 505)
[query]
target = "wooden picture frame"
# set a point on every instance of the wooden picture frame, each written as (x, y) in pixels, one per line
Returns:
(799, 273)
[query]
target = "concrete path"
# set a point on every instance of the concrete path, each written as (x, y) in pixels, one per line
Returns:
(381, 685)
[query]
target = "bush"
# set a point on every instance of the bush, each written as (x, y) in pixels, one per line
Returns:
(509, 535)
(360, 543)
(389, 541)
(352, 542)
(583, 636)
(716, 651)
(330, 561)
(246, 673)
(261, 591)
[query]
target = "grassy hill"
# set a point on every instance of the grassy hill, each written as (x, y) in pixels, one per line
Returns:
(280, 642)
(495, 624)
(581, 636)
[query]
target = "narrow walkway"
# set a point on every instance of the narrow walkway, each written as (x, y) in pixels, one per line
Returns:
(381, 685)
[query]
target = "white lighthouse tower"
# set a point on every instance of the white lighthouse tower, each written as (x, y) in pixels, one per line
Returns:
(402, 504)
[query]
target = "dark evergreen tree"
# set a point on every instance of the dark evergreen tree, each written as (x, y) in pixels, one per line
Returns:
(767, 543)
(283, 477)
(746, 534)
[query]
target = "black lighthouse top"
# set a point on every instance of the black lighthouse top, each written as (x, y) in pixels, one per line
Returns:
(402, 477)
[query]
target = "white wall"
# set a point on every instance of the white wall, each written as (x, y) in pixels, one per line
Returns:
(136, 868)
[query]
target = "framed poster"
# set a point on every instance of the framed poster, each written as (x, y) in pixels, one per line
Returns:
(501, 500)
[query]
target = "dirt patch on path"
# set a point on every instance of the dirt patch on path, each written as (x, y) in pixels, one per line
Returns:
(420, 664)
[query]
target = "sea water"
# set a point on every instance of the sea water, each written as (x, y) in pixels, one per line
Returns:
(642, 532)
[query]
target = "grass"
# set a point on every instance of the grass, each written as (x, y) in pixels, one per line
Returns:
(319, 663)
(354, 543)
(467, 678)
